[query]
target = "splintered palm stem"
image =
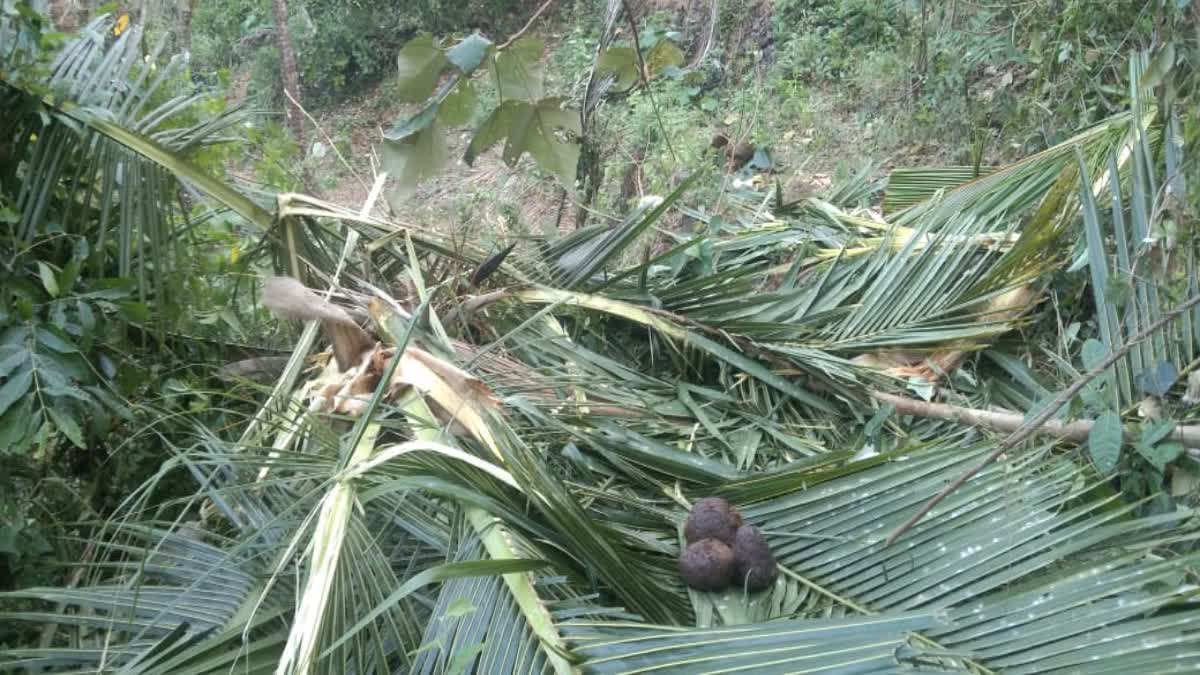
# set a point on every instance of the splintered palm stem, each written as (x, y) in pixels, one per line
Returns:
(1009, 421)
(1033, 425)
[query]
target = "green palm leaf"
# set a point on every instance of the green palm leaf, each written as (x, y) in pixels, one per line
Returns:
(108, 150)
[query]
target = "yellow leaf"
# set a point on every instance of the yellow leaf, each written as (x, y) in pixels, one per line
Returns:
(122, 24)
(235, 253)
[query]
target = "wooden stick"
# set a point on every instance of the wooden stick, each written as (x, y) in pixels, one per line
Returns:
(1027, 429)
(1009, 421)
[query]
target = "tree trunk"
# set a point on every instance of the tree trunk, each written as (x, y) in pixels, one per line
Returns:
(185, 25)
(291, 75)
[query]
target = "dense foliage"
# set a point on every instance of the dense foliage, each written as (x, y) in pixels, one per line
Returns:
(500, 483)
(343, 46)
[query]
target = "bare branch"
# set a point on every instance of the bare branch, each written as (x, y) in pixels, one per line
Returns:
(528, 24)
(1009, 421)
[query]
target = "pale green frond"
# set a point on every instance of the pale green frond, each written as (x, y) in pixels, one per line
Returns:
(910, 186)
(103, 155)
(874, 644)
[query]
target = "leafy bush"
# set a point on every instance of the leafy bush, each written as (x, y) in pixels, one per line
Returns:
(266, 85)
(219, 28)
(340, 45)
(53, 351)
(102, 272)
(822, 39)
(343, 46)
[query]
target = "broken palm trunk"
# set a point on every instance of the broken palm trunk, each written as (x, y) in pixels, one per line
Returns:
(456, 397)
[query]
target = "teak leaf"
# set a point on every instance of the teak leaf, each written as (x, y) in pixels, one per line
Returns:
(415, 151)
(517, 72)
(469, 53)
(418, 66)
(458, 106)
(621, 62)
(532, 128)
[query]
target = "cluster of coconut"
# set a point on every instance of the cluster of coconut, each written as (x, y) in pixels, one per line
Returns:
(721, 550)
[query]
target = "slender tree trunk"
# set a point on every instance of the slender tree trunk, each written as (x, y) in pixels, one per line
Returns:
(291, 75)
(185, 25)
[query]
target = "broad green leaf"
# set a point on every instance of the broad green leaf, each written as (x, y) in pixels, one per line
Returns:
(469, 53)
(1155, 431)
(14, 337)
(415, 151)
(1104, 442)
(18, 425)
(11, 358)
(459, 105)
(14, 389)
(66, 423)
(516, 70)
(136, 312)
(1162, 454)
(662, 56)
(1157, 380)
(460, 607)
(87, 318)
(535, 129)
(622, 63)
(69, 392)
(55, 339)
(49, 282)
(1094, 352)
(493, 130)
(418, 66)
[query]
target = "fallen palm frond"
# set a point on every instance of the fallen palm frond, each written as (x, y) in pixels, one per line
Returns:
(497, 481)
(910, 186)
(1034, 423)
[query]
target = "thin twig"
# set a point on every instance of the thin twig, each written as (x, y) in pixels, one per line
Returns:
(1033, 425)
(528, 24)
(328, 140)
(645, 77)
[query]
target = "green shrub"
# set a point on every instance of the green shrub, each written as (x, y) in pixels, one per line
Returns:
(266, 86)
(823, 39)
(341, 46)
(344, 46)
